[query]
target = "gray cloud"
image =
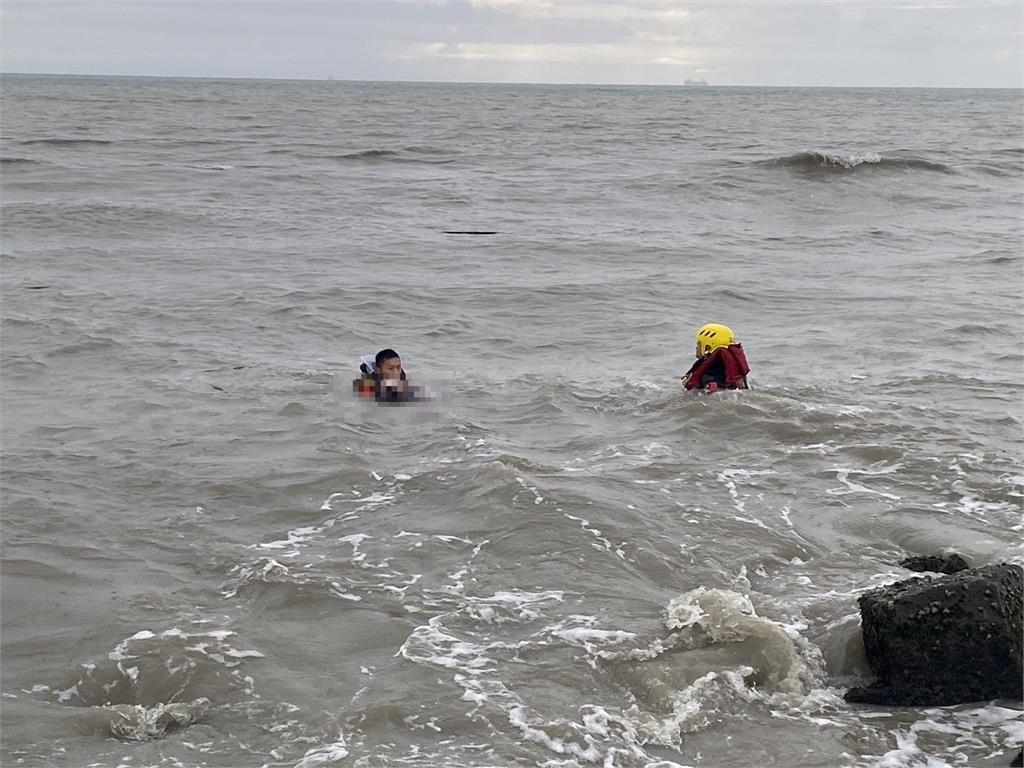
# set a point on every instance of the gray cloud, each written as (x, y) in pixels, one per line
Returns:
(756, 42)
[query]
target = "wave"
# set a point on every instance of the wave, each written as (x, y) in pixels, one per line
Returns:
(370, 154)
(724, 616)
(989, 256)
(719, 658)
(395, 155)
(134, 722)
(91, 214)
(1001, 162)
(18, 161)
(998, 171)
(87, 343)
(424, 149)
(976, 329)
(68, 142)
(818, 160)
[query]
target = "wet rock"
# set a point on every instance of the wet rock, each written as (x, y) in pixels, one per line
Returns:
(946, 563)
(934, 641)
(1018, 760)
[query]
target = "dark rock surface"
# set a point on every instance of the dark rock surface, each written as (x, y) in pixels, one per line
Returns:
(934, 641)
(947, 563)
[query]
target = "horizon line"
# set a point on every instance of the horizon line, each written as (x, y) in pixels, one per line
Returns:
(693, 84)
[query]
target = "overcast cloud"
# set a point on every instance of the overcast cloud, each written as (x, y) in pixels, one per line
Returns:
(731, 42)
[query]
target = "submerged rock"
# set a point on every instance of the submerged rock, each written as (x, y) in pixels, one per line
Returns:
(934, 641)
(947, 563)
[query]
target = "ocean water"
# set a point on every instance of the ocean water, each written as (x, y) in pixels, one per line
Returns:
(214, 556)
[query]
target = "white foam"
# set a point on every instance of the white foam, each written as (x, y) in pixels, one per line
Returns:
(295, 538)
(908, 755)
(537, 498)
(605, 544)
(138, 723)
(586, 751)
(243, 654)
(975, 728)
(450, 539)
(640, 383)
(120, 652)
(695, 706)
(846, 161)
(431, 644)
(586, 637)
(512, 606)
(729, 477)
(67, 693)
(969, 504)
(374, 499)
(843, 476)
(343, 593)
(326, 754)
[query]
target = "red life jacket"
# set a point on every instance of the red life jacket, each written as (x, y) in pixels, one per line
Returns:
(364, 386)
(733, 361)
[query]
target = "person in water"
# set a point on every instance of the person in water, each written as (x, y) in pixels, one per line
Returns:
(383, 377)
(720, 362)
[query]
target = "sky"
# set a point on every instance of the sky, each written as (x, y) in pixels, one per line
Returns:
(922, 43)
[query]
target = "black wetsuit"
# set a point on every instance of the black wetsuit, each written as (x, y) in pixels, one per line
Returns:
(714, 373)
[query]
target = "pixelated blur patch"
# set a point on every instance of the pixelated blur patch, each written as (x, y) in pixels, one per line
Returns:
(413, 395)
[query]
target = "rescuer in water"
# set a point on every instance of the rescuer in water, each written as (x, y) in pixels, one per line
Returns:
(720, 362)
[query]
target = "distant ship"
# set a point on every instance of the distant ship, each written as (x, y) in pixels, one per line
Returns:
(695, 82)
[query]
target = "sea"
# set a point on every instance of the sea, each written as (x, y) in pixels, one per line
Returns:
(215, 555)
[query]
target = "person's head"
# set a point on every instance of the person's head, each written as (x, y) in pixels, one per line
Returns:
(712, 336)
(389, 365)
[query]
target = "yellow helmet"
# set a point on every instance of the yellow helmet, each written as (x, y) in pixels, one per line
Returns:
(712, 336)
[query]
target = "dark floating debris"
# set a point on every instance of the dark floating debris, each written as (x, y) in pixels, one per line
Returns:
(470, 232)
(36, 287)
(219, 389)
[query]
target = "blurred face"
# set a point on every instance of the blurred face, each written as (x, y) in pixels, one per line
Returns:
(391, 369)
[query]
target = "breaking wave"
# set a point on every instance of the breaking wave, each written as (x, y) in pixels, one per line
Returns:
(134, 722)
(816, 160)
(723, 616)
